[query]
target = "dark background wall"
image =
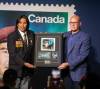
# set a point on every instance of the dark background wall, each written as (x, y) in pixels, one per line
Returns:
(89, 11)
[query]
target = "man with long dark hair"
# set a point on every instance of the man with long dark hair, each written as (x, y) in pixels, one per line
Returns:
(20, 45)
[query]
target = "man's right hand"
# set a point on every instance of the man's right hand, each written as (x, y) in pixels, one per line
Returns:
(29, 65)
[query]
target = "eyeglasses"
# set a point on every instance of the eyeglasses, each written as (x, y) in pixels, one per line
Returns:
(73, 22)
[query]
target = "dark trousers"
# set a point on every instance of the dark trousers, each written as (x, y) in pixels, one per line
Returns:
(70, 84)
(23, 83)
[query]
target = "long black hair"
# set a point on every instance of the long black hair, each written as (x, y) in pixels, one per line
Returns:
(18, 20)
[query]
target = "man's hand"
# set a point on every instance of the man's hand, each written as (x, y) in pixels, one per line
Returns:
(29, 65)
(63, 65)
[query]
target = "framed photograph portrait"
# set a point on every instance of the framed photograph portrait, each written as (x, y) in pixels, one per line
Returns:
(48, 49)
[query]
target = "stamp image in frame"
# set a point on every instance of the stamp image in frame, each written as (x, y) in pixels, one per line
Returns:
(47, 44)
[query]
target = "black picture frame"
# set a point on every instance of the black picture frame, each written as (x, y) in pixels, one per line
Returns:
(48, 49)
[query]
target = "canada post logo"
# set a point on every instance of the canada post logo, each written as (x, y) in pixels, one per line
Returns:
(49, 21)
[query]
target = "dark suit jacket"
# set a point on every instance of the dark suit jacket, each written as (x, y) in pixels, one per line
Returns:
(77, 55)
(19, 53)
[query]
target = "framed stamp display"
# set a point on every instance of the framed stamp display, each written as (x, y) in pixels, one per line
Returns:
(48, 49)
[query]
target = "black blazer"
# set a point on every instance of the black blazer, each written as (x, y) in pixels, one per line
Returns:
(19, 53)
